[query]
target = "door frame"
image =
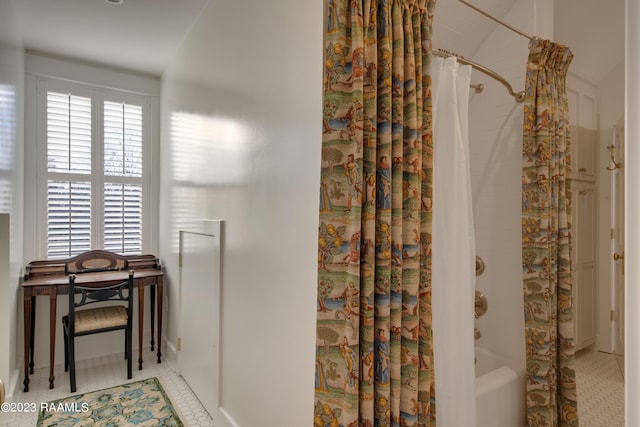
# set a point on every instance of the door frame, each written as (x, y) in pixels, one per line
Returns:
(616, 168)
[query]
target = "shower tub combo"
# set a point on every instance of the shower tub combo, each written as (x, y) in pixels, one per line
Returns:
(497, 392)
(497, 387)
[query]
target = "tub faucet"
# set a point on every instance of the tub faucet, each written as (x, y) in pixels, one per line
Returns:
(481, 304)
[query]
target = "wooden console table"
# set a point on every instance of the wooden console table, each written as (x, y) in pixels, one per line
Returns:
(51, 277)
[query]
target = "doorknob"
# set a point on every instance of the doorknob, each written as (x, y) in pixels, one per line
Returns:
(619, 257)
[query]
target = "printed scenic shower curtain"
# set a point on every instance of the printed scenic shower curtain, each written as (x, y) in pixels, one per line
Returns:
(374, 353)
(546, 239)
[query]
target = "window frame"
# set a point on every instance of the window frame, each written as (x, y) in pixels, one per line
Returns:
(98, 96)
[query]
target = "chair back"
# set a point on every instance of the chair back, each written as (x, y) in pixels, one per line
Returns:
(91, 294)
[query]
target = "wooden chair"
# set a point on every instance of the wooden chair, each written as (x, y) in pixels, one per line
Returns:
(103, 318)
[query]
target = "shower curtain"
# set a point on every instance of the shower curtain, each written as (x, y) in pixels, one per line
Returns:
(453, 246)
(546, 239)
(374, 358)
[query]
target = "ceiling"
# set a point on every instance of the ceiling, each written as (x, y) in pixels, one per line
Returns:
(140, 35)
(144, 35)
(593, 32)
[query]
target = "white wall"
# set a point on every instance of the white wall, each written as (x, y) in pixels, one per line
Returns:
(11, 188)
(241, 142)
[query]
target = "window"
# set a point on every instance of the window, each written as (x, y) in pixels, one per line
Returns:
(123, 170)
(7, 148)
(94, 144)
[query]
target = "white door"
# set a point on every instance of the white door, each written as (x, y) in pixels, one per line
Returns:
(199, 342)
(585, 267)
(617, 245)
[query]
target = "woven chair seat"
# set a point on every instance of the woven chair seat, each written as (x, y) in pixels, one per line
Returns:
(100, 318)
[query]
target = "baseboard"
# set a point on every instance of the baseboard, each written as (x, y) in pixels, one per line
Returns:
(14, 383)
(170, 354)
(224, 419)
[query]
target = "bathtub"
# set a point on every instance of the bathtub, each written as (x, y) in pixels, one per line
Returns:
(498, 392)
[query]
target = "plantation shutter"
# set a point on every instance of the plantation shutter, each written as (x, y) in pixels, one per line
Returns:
(68, 163)
(123, 172)
(94, 172)
(7, 153)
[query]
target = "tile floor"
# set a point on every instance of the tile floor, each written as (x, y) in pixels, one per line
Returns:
(599, 380)
(109, 371)
(600, 385)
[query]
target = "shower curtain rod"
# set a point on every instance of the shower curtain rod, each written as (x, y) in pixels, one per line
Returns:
(445, 54)
(496, 20)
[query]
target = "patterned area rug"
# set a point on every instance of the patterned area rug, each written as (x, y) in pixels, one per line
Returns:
(141, 403)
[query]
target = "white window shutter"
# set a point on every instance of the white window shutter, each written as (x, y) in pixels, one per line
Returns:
(74, 189)
(68, 218)
(68, 133)
(123, 218)
(123, 158)
(68, 152)
(122, 139)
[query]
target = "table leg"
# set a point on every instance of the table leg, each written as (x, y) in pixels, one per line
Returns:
(33, 332)
(160, 298)
(28, 330)
(53, 301)
(152, 307)
(140, 322)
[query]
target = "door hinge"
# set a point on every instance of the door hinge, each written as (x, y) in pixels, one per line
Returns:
(180, 260)
(613, 315)
(612, 232)
(180, 343)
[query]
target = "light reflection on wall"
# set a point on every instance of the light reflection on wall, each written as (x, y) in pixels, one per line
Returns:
(208, 154)
(187, 203)
(208, 150)
(7, 143)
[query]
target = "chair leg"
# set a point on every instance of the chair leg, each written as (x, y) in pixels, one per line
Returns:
(66, 347)
(126, 344)
(72, 364)
(129, 352)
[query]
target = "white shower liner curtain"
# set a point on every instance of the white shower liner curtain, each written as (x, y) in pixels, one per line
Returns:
(453, 259)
